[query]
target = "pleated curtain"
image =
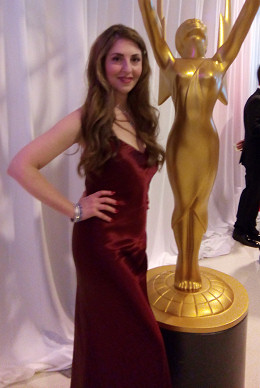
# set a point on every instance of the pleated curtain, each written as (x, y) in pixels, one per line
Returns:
(44, 46)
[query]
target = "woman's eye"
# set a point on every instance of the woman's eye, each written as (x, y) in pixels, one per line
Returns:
(116, 59)
(136, 59)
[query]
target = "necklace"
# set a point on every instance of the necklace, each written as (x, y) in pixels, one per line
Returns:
(127, 115)
(117, 122)
(139, 143)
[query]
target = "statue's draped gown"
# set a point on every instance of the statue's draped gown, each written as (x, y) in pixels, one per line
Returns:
(192, 154)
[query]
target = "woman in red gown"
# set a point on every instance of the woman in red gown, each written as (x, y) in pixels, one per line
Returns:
(117, 340)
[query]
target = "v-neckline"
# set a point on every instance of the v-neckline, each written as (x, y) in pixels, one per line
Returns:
(131, 146)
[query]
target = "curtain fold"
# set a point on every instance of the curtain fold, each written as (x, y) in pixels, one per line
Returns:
(44, 46)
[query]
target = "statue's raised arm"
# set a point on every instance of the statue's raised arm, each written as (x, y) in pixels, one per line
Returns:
(229, 50)
(155, 33)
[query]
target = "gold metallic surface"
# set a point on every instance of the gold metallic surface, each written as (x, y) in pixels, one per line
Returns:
(164, 92)
(221, 303)
(195, 83)
(224, 30)
(214, 297)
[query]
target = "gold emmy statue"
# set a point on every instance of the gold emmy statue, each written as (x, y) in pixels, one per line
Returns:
(194, 83)
(180, 293)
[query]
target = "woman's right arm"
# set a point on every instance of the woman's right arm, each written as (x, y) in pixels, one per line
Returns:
(26, 165)
(154, 31)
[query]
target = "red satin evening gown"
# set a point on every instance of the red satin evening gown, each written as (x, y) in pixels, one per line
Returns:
(117, 340)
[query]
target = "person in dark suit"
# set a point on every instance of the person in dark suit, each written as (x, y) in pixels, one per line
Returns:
(245, 226)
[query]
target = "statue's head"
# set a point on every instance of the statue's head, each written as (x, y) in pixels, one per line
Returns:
(191, 39)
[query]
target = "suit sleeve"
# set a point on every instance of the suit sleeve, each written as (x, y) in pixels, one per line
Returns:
(253, 113)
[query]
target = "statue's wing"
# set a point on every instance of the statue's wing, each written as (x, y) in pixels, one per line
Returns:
(224, 30)
(164, 89)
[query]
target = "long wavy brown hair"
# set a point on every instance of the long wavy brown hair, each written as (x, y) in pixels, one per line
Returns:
(98, 109)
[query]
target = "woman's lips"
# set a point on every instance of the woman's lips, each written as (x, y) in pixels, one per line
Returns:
(126, 80)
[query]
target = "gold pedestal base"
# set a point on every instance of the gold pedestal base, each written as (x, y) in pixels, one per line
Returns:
(221, 303)
(204, 331)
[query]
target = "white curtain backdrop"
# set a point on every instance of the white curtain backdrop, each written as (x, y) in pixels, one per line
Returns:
(44, 46)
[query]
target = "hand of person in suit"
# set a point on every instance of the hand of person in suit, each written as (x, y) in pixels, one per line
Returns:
(240, 145)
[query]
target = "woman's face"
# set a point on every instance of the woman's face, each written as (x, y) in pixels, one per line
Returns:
(123, 67)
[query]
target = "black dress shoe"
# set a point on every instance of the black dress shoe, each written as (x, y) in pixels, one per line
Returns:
(246, 239)
(255, 236)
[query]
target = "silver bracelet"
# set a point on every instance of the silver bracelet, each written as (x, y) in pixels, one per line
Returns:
(77, 213)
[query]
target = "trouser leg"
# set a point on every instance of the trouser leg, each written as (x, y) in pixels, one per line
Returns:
(249, 204)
